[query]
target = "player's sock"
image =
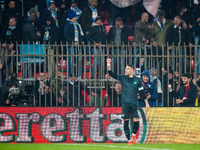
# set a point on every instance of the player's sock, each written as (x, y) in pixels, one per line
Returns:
(126, 129)
(135, 127)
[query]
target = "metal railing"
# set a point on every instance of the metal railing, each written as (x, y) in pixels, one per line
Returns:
(60, 62)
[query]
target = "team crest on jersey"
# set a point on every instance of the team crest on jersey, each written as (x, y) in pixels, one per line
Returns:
(135, 82)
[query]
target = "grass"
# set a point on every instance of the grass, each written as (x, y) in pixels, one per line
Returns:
(103, 146)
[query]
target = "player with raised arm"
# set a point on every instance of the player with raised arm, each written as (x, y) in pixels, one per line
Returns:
(130, 87)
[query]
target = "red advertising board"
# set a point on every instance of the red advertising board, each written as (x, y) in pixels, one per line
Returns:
(65, 125)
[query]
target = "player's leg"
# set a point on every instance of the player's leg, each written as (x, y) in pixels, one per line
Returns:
(126, 116)
(135, 117)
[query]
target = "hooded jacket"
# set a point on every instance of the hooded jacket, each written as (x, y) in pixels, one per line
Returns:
(149, 87)
(97, 34)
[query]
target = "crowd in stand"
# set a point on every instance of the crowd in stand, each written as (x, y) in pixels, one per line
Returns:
(79, 22)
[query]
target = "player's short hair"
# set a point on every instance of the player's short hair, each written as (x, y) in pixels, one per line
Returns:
(130, 65)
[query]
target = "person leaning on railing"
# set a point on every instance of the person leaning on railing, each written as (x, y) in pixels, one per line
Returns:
(187, 93)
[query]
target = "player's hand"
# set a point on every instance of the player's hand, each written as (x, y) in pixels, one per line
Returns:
(108, 63)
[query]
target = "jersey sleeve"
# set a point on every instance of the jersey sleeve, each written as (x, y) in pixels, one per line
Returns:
(115, 76)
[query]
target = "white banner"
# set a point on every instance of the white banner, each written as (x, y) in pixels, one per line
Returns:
(124, 3)
(151, 6)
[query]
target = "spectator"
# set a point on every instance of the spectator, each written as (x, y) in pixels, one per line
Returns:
(114, 94)
(184, 14)
(167, 79)
(73, 32)
(141, 35)
(11, 12)
(158, 31)
(88, 16)
(97, 100)
(63, 98)
(33, 12)
(142, 29)
(57, 83)
(51, 32)
(73, 35)
(42, 91)
(119, 36)
(29, 36)
(178, 36)
(149, 88)
(97, 33)
(97, 37)
(154, 79)
(187, 93)
(10, 35)
(12, 91)
(75, 89)
(173, 36)
(56, 17)
(74, 7)
(196, 30)
(29, 32)
(43, 5)
(119, 33)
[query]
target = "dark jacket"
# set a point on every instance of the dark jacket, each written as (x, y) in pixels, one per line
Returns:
(97, 34)
(141, 30)
(124, 34)
(75, 93)
(53, 33)
(150, 88)
(42, 5)
(47, 16)
(69, 33)
(115, 98)
(86, 19)
(196, 29)
(39, 97)
(29, 33)
(172, 36)
(14, 37)
(191, 95)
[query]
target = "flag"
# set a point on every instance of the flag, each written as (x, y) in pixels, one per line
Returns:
(151, 6)
(124, 3)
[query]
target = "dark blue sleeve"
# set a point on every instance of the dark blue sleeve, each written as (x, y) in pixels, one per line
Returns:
(154, 94)
(68, 33)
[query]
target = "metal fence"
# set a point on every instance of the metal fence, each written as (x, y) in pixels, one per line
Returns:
(74, 75)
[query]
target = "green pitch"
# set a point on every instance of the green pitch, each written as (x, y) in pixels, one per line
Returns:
(102, 146)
